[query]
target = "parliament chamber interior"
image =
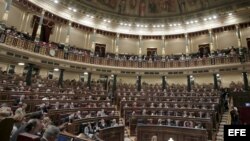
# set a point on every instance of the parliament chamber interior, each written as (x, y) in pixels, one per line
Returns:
(123, 70)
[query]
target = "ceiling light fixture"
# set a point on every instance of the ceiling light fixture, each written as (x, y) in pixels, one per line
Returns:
(214, 17)
(56, 1)
(56, 69)
(74, 10)
(205, 19)
(21, 64)
(230, 14)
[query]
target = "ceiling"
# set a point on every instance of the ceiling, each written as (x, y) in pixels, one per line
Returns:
(150, 17)
(152, 8)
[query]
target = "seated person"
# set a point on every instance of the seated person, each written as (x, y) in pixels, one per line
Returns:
(101, 113)
(33, 127)
(51, 133)
(21, 109)
(57, 106)
(5, 111)
(102, 124)
(144, 112)
(78, 115)
(114, 123)
(88, 130)
(88, 115)
(188, 124)
(152, 105)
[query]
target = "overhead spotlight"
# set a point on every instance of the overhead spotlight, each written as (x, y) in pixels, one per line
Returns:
(85, 73)
(214, 17)
(210, 18)
(21, 64)
(142, 25)
(137, 25)
(230, 14)
(87, 15)
(174, 24)
(121, 23)
(187, 22)
(162, 25)
(129, 24)
(196, 21)
(74, 10)
(205, 19)
(70, 8)
(170, 25)
(109, 21)
(104, 20)
(158, 25)
(56, 1)
(125, 24)
(179, 24)
(146, 25)
(153, 26)
(191, 22)
(56, 69)
(92, 17)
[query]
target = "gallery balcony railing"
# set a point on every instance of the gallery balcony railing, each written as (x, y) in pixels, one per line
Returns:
(44, 49)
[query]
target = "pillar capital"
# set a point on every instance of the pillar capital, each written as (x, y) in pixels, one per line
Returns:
(117, 35)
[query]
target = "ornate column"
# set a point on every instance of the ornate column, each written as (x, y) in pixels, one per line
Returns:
(117, 44)
(211, 40)
(23, 21)
(216, 86)
(37, 39)
(29, 75)
(26, 23)
(68, 34)
(89, 80)
(163, 53)
(93, 42)
(60, 80)
(188, 83)
(6, 11)
(245, 80)
(139, 50)
(238, 35)
(59, 33)
(187, 44)
(138, 83)
(114, 83)
(164, 83)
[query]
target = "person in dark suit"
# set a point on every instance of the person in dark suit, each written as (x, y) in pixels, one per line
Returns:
(33, 127)
(51, 133)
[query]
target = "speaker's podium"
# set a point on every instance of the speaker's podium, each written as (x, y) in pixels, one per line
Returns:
(27, 137)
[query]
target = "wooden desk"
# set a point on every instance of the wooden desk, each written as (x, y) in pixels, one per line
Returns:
(112, 133)
(164, 133)
(74, 127)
